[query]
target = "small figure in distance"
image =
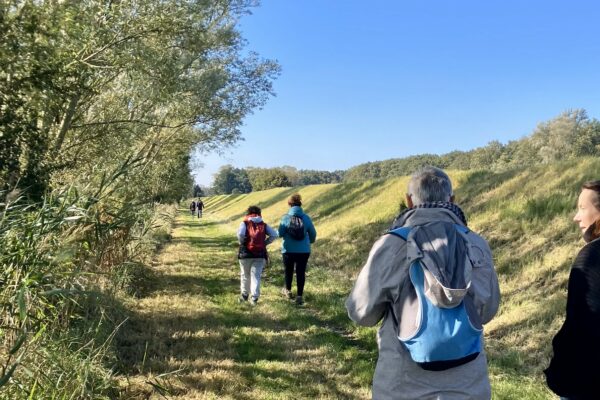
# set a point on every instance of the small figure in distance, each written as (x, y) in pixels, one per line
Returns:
(199, 207)
(193, 208)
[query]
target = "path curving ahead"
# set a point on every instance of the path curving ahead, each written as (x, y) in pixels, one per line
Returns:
(188, 338)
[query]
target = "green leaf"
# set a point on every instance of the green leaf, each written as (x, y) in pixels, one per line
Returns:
(22, 304)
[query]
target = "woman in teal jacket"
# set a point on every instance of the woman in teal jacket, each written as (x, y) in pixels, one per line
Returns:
(298, 232)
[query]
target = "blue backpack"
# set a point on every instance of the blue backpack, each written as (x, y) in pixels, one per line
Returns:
(444, 337)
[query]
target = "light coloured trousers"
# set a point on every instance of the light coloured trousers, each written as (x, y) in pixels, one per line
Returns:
(250, 271)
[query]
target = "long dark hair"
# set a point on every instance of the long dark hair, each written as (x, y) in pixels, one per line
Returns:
(595, 187)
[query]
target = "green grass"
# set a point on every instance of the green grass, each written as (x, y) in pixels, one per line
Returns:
(189, 338)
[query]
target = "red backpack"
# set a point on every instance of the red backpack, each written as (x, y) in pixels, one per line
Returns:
(256, 234)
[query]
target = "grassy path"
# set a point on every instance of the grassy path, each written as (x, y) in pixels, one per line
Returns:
(188, 338)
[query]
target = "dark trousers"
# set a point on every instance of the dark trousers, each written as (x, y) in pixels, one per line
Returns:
(297, 261)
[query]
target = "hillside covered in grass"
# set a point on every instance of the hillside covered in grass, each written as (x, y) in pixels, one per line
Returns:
(525, 214)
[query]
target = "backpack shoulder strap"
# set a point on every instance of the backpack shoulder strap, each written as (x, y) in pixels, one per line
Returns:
(462, 228)
(401, 232)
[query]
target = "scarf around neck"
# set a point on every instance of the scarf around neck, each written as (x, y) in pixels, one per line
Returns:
(437, 204)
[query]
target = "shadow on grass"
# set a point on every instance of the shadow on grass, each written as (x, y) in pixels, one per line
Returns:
(263, 204)
(184, 284)
(336, 199)
(348, 250)
(226, 202)
(194, 223)
(243, 333)
(192, 323)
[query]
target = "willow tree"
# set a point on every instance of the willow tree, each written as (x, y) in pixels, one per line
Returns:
(101, 105)
(86, 85)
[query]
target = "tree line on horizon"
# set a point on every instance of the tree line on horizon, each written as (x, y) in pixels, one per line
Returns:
(231, 180)
(569, 135)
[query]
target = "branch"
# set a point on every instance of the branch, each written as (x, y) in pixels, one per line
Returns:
(135, 121)
(66, 124)
(112, 44)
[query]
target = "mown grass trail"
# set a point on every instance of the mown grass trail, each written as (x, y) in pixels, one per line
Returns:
(189, 338)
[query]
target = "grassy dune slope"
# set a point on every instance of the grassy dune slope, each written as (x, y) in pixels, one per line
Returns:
(526, 216)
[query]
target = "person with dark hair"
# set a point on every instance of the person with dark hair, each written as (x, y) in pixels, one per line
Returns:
(298, 232)
(199, 207)
(574, 370)
(254, 236)
(193, 207)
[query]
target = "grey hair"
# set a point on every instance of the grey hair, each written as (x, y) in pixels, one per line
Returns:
(429, 184)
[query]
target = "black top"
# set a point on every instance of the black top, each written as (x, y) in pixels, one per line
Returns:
(575, 367)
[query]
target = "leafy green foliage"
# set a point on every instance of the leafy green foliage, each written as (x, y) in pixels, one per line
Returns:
(140, 79)
(231, 180)
(570, 135)
(267, 178)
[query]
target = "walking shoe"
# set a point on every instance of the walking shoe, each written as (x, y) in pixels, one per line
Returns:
(242, 298)
(299, 300)
(253, 301)
(286, 293)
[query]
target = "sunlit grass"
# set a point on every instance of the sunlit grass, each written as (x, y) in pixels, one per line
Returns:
(190, 339)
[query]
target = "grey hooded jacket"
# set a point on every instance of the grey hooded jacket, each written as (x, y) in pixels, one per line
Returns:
(383, 290)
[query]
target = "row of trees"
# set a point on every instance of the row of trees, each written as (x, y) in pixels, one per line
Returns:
(244, 180)
(570, 134)
(101, 104)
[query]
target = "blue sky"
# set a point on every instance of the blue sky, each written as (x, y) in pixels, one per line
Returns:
(366, 81)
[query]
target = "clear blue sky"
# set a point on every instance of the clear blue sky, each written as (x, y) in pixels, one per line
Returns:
(366, 81)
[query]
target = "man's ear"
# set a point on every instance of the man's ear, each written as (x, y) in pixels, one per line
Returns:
(452, 199)
(409, 202)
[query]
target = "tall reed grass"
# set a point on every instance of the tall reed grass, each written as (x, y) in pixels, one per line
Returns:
(66, 263)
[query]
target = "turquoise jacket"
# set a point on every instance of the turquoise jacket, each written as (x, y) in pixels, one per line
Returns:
(290, 245)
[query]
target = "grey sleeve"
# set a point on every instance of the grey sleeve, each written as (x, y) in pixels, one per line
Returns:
(491, 308)
(484, 288)
(272, 235)
(241, 233)
(378, 283)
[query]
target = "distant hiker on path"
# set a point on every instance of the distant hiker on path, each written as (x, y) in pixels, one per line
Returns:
(574, 371)
(193, 208)
(298, 232)
(432, 281)
(254, 236)
(200, 207)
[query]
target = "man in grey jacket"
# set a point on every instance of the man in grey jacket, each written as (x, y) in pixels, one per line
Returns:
(383, 290)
